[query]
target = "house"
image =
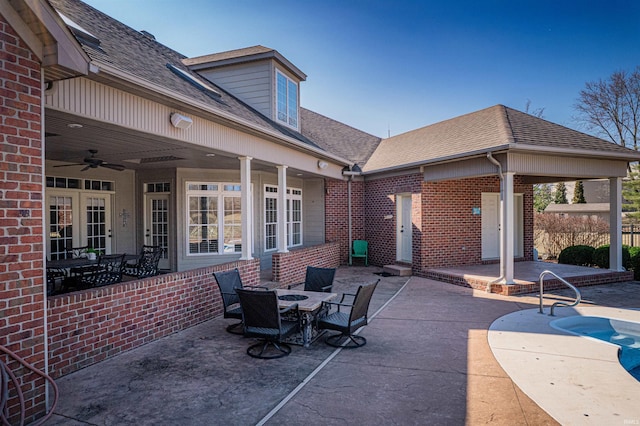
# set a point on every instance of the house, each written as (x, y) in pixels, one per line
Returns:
(113, 140)
(589, 210)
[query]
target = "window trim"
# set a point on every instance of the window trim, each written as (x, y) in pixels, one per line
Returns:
(221, 193)
(292, 194)
(288, 81)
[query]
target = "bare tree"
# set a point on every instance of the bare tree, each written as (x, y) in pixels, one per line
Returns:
(538, 112)
(611, 108)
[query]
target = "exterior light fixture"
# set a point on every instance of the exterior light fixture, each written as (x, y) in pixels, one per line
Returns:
(75, 126)
(180, 121)
(322, 164)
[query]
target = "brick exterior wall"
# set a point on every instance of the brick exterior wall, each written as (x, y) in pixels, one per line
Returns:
(337, 214)
(21, 239)
(291, 268)
(445, 231)
(89, 326)
(380, 203)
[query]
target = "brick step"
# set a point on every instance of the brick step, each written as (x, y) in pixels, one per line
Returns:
(402, 271)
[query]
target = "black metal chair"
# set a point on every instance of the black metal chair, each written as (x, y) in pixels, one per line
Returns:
(108, 271)
(318, 279)
(228, 282)
(147, 263)
(263, 319)
(348, 323)
(76, 253)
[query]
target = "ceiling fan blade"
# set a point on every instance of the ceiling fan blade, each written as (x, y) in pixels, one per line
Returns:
(69, 165)
(117, 167)
(86, 168)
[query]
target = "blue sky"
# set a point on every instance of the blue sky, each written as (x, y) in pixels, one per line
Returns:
(394, 66)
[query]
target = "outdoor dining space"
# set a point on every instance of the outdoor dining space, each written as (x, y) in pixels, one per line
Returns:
(426, 361)
(82, 268)
(297, 315)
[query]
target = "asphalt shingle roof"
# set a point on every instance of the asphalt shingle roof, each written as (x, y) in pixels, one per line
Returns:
(333, 136)
(491, 128)
(135, 53)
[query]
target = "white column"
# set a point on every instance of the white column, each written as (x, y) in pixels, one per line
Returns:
(246, 206)
(615, 224)
(508, 228)
(282, 209)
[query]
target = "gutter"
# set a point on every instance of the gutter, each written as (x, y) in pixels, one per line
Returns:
(446, 159)
(115, 72)
(576, 152)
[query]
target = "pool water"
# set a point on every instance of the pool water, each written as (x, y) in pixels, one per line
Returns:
(625, 334)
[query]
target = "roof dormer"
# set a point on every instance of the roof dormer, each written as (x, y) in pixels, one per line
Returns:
(260, 77)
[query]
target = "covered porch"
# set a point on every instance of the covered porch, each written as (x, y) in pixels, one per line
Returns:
(526, 276)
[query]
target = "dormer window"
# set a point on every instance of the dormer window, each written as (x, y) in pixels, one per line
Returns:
(287, 100)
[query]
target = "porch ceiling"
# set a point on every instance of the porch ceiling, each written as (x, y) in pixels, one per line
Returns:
(132, 149)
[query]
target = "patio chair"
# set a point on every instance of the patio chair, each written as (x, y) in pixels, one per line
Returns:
(228, 282)
(348, 323)
(55, 279)
(108, 271)
(78, 272)
(318, 279)
(147, 263)
(263, 319)
(360, 249)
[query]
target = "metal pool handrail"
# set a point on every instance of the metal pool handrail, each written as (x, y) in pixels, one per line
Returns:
(568, 305)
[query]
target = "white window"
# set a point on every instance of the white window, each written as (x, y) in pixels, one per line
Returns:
(215, 222)
(270, 218)
(294, 217)
(287, 100)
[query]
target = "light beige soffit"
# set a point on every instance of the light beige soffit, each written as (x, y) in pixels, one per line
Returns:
(447, 159)
(119, 74)
(630, 156)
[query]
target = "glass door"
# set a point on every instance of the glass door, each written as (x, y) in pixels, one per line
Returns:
(60, 223)
(157, 225)
(96, 210)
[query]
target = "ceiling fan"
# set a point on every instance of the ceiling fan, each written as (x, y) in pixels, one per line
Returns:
(92, 162)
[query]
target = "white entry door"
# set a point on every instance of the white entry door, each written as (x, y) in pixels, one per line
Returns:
(95, 221)
(156, 225)
(404, 236)
(490, 211)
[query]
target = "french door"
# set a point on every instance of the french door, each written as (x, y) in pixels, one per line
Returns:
(77, 219)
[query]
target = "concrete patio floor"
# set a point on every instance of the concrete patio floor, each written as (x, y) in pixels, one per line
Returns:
(427, 361)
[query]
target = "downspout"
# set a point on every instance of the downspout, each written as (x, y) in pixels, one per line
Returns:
(502, 273)
(349, 220)
(352, 171)
(45, 320)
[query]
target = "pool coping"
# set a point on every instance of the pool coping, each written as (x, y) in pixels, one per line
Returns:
(576, 380)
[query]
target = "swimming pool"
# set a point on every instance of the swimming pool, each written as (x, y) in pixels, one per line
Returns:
(624, 334)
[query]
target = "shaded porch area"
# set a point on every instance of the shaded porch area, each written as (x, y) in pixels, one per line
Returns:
(526, 276)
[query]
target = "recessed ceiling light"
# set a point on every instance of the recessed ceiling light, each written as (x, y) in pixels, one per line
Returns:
(74, 126)
(298, 174)
(211, 155)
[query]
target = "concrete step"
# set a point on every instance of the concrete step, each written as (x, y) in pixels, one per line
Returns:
(402, 271)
